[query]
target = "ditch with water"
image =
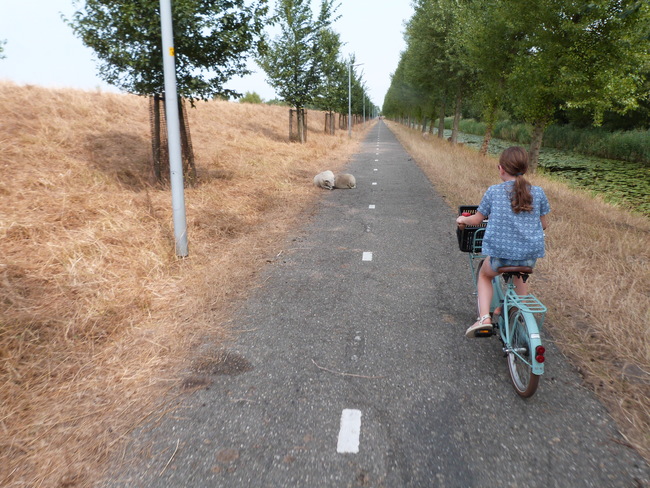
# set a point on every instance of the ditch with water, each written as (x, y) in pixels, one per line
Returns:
(623, 183)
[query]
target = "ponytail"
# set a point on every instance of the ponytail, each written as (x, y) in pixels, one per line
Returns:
(522, 198)
(514, 161)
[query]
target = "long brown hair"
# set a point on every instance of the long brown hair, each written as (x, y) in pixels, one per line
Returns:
(514, 161)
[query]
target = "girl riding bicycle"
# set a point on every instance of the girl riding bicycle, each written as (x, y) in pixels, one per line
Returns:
(514, 235)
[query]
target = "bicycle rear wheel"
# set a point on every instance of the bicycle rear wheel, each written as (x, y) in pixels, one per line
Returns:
(519, 365)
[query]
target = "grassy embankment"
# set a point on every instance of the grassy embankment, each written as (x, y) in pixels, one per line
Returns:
(595, 278)
(97, 315)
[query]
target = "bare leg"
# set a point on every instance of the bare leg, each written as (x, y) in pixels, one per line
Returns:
(520, 287)
(484, 285)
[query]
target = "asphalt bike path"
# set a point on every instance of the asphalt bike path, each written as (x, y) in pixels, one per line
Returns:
(352, 369)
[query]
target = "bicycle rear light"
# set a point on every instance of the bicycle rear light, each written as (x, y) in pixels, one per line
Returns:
(539, 354)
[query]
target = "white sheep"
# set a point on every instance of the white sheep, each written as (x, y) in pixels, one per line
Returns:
(325, 180)
(345, 181)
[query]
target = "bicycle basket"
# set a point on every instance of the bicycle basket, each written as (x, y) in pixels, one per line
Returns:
(466, 241)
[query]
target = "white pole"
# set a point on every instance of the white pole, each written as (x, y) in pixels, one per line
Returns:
(173, 129)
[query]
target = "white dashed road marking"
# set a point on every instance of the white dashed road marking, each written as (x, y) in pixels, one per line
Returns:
(371, 207)
(367, 256)
(349, 431)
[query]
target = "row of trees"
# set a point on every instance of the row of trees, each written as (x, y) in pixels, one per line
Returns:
(213, 42)
(531, 59)
(305, 66)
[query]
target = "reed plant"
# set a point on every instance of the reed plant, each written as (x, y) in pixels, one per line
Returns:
(632, 145)
(595, 279)
(98, 317)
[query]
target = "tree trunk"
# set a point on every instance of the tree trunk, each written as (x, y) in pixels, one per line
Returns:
(535, 145)
(491, 119)
(189, 167)
(441, 121)
(291, 136)
(424, 125)
(301, 125)
(155, 136)
(487, 137)
(454, 130)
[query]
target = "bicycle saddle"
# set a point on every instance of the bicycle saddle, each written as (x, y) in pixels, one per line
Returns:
(522, 272)
(515, 270)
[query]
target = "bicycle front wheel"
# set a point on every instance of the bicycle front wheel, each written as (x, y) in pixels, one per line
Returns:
(520, 357)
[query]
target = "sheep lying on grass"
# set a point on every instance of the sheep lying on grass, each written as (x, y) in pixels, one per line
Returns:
(325, 180)
(345, 181)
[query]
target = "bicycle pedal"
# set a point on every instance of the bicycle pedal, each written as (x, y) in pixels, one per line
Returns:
(484, 333)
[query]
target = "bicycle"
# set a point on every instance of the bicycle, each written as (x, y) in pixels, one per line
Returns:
(514, 317)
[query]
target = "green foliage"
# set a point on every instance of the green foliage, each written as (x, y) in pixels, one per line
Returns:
(332, 93)
(211, 40)
(278, 102)
(293, 63)
(250, 98)
(633, 146)
(534, 59)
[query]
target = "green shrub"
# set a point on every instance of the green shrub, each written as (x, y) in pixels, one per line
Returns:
(633, 145)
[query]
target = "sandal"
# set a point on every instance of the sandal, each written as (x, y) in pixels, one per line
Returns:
(480, 329)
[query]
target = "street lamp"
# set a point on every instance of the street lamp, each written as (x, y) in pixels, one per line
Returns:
(173, 129)
(350, 97)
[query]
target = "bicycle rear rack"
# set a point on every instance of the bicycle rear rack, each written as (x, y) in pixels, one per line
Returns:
(527, 303)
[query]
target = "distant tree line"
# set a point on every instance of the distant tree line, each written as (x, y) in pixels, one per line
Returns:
(539, 62)
(305, 66)
(213, 41)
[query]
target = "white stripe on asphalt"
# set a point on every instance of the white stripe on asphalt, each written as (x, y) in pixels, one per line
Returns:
(371, 207)
(367, 256)
(349, 431)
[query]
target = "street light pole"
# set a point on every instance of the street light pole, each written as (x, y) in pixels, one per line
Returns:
(173, 129)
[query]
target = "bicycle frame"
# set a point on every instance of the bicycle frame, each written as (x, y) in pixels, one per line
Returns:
(506, 297)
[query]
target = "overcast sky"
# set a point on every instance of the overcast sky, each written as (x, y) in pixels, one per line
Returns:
(42, 50)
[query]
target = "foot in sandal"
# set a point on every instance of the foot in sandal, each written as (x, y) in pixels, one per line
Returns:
(482, 327)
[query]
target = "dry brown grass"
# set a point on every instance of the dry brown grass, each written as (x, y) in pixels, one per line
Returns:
(97, 314)
(595, 279)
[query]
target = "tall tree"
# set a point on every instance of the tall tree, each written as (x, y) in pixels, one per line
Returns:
(574, 54)
(332, 94)
(212, 41)
(489, 41)
(434, 61)
(292, 63)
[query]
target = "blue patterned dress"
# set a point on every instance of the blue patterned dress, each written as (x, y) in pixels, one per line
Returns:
(510, 235)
